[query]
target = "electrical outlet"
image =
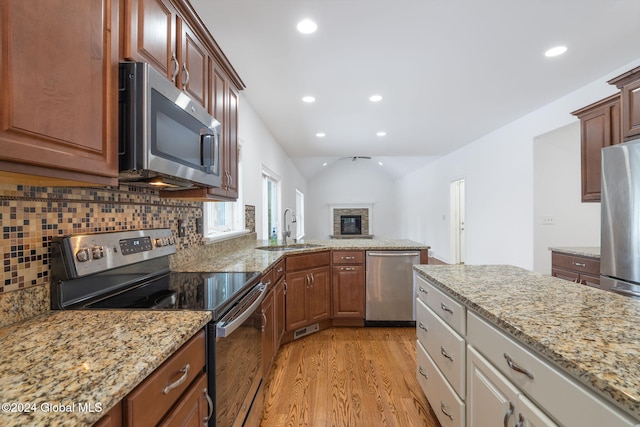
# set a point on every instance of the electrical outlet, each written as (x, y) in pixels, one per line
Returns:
(181, 228)
(548, 220)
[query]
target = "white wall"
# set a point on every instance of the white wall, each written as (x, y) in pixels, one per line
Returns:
(259, 148)
(498, 169)
(557, 193)
(359, 182)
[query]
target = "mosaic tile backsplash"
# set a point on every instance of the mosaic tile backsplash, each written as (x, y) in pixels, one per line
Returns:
(31, 216)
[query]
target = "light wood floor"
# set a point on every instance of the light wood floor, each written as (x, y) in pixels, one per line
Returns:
(347, 377)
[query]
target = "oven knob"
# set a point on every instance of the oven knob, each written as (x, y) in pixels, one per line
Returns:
(159, 243)
(83, 255)
(97, 252)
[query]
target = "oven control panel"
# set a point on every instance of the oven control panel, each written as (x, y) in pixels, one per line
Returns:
(93, 253)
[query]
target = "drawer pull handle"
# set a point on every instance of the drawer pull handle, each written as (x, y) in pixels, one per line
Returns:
(445, 354)
(348, 257)
(280, 270)
(268, 283)
(348, 269)
(423, 290)
(516, 367)
(508, 414)
(443, 408)
(579, 264)
(421, 326)
(423, 373)
(445, 308)
(209, 405)
(181, 380)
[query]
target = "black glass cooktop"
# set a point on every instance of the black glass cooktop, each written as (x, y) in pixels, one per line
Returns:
(215, 292)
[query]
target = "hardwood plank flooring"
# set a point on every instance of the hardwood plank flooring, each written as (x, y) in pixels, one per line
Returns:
(347, 377)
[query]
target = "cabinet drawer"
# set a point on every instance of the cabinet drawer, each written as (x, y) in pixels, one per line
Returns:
(151, 400)
(306, 261)
(193, 408)
(348, 257)
(443, 305)
(268, 279)
(445, 346)
(576, 263)
(559, 395)
(446, 404)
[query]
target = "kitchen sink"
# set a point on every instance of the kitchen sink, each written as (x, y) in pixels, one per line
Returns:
(288, 247)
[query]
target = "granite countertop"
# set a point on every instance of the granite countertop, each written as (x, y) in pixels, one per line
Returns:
(249, 258)
(588, 251)
(52, 363)
(591, 334)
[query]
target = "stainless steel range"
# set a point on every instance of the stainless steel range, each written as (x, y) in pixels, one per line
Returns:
(130, 270)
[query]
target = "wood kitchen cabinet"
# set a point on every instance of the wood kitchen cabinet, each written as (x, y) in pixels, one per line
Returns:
(576, 268)
(629, 85)
(599, 128)
(273, 311)
(308, 290)
(58, 92)
(348, 286)
(113, 418)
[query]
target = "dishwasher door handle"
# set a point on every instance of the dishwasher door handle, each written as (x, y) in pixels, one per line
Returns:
(393, 254)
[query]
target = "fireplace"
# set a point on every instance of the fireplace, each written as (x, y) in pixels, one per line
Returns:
(351, 221)
(350, 224)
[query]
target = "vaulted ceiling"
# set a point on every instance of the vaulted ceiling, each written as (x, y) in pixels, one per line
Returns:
(449, 71)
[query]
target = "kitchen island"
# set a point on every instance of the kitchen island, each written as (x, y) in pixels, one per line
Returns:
(69, 368)
(588, 334)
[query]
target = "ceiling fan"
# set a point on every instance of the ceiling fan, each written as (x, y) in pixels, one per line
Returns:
(354, 158)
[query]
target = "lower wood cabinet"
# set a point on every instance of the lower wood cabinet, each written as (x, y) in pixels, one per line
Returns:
(308, 297)
(576, 268)
(174, 395)
(348, 288)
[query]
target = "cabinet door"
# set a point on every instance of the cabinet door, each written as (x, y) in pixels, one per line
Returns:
(319, 295)
(194, 64)
(150, 35)
(59, 88)
(268, 333)
(631, 118)
(280, 310)
(571, 276)
(113, 418)
(192, 408)
(600, 127)
(348, 291)
(491, 399)
(296, 313)
(529, 415)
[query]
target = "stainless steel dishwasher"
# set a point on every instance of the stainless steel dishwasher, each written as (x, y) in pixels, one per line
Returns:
(390, 297)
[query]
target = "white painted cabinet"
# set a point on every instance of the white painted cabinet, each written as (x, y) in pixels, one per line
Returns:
(474, 374)
(495, 401)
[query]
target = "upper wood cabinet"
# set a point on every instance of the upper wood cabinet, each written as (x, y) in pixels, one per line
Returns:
(58, 91)
(629, 85)
(599, 128)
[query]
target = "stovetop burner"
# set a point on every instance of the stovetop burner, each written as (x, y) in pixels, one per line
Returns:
(94, 272)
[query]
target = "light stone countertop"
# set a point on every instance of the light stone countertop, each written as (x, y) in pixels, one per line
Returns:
(588, 251)
(73, 357)
(248, 258)
(592, 335)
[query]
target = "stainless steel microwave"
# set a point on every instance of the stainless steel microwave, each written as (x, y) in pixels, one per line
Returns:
(166, 139)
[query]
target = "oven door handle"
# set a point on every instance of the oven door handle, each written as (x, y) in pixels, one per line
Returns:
(226, 326)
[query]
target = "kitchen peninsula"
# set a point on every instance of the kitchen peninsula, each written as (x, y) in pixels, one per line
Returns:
(587, 338)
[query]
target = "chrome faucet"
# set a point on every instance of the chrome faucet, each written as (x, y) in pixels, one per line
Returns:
(286, 229)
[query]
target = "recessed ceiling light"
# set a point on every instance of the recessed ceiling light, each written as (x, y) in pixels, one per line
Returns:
(555, 51)
(321, 134)
(307, 26)
(375, 98)
(380, 163)
(381, 133)
(308, 99)
(324, 164)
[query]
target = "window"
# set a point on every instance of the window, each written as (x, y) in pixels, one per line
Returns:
(222, 220)
(270, 201)
(299, 214)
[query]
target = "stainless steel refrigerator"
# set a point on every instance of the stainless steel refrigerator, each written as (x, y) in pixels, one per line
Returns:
(620, 232)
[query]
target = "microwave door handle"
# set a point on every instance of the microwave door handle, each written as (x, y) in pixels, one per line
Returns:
(216, 152)
(206, 156)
